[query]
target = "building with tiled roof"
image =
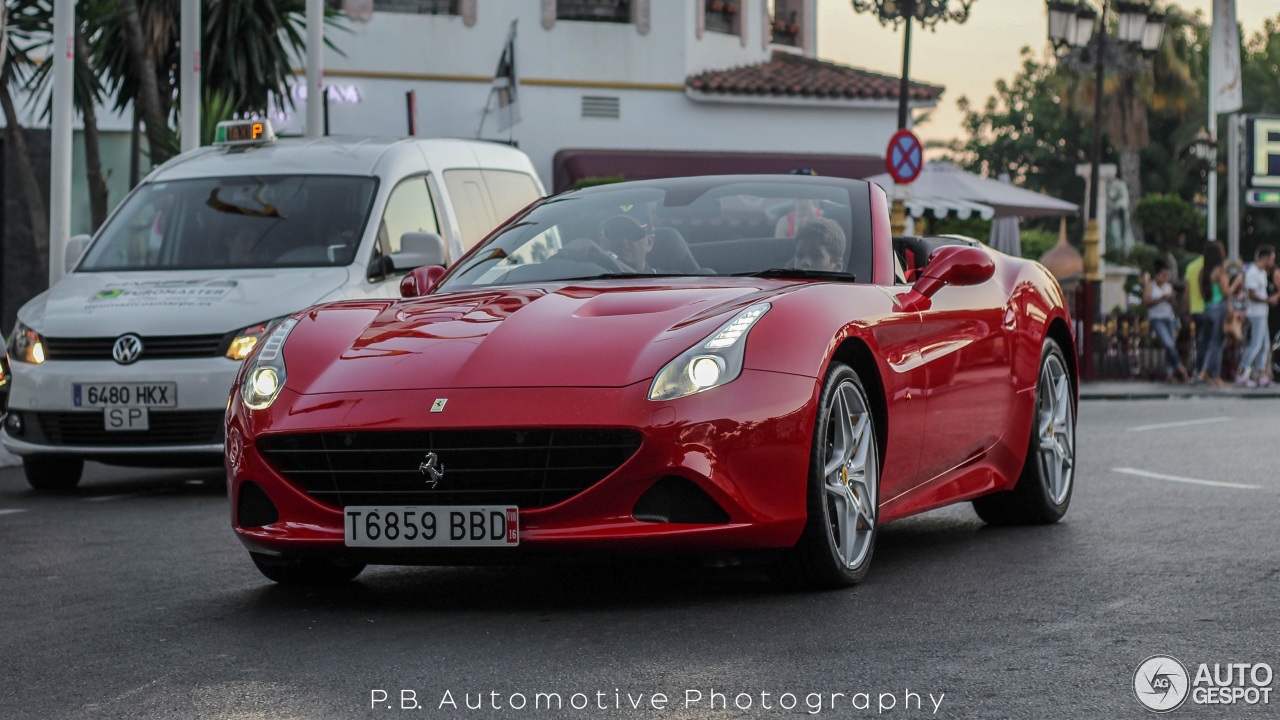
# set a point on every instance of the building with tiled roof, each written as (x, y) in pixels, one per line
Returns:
(788, 75)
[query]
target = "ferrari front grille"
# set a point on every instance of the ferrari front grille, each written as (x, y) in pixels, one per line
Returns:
(526, 468)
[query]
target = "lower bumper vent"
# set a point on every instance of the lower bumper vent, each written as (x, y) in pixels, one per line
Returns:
(677, 500)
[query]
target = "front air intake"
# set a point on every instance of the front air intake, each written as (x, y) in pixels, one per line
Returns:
(677, 500)
(254, 508)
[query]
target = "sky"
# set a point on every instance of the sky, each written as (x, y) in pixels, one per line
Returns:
(966, 59)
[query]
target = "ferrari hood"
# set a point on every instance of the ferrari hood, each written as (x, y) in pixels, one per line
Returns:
(102, 304)
(591, 335)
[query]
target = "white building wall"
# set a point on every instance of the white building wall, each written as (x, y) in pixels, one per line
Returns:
(449, 65)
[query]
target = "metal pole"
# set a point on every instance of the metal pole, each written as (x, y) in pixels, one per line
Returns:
(1212, 190)
(64, 59)
(190, 75)
(315, 68)
(1233, 187)
(1092, 277)
(905, 88)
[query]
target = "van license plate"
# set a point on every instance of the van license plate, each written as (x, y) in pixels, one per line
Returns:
(120, 395)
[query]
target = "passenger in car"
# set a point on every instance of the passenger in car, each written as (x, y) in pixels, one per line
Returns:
(820, 245)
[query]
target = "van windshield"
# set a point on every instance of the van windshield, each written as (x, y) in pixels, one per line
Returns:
(236, 222)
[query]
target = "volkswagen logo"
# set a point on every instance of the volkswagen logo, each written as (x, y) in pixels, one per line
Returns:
(128, 349)
(432, 468)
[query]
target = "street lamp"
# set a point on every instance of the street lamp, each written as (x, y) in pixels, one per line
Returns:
(926, 12)
(1205, 148)
(1139, 29)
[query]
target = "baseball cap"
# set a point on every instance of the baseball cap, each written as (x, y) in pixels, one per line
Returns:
(624, 227)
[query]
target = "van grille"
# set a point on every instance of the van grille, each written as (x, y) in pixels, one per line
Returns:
(168, 427)
(153, 348)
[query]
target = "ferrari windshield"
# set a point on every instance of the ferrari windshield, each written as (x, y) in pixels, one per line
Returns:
(236, 222)
(776, 226)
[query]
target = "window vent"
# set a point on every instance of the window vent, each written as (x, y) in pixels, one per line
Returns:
(594, 106)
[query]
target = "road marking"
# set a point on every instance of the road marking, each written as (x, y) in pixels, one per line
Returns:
(11, 511)
(108, 498)
(1176, 478)
(1182, 423)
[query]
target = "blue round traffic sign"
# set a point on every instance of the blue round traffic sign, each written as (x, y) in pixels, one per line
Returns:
(905, 157)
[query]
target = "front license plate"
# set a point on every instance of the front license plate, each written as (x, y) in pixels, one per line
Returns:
(432, 526)
(120, 395)
(126, 418)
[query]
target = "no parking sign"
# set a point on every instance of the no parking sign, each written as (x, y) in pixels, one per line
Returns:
(905, 157)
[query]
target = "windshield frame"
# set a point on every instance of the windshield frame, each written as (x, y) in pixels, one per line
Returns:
(114, 217)
(861, 262)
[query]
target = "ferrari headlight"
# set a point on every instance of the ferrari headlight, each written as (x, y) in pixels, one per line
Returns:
(26, 345)
(247, 339)
(266, 373)
(712, 362)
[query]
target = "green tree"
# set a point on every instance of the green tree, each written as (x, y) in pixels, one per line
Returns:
(248, 51)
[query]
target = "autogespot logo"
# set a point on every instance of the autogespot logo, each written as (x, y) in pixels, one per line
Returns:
(1161, 683)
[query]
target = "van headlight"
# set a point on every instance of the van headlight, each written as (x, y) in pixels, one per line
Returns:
(265, 375)
(244, 341)
(26, 345)
(711, 363)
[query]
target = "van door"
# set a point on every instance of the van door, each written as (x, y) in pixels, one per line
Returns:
(410, 208)
(472, 205)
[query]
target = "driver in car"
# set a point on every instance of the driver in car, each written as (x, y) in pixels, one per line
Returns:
(820, 245)
(624, 243)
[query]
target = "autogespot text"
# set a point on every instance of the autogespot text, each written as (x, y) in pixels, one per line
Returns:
(812, 703)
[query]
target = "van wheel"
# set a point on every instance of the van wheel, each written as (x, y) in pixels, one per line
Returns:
(52, 473)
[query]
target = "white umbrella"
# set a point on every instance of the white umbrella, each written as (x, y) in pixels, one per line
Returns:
(1005, 235)
(944, 181)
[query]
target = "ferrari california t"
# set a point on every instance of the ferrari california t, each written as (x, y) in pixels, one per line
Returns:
(737, 366)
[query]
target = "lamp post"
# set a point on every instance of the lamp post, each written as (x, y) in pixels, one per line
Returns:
(926, 12)
(1080, 34)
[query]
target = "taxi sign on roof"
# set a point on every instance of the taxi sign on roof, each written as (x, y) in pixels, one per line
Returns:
(244, 132)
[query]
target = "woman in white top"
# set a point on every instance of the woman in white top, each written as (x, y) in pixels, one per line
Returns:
(1158, 297)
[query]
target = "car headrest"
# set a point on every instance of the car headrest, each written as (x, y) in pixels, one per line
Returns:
(670, 252)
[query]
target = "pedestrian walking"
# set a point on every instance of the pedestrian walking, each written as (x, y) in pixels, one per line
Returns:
(1257, 310)
(1216, 287)
(1196, 306)
(1158, 297)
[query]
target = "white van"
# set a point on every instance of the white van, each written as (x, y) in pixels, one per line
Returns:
(130, 357)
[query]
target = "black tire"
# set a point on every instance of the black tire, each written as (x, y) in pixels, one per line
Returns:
(1032, 501)
(305, 571)
(816, 562)
(52, 473)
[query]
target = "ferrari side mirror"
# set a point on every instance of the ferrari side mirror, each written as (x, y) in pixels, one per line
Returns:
(949, 265)
(420, 281)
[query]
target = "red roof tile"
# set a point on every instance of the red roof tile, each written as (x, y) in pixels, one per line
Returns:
(791, 75)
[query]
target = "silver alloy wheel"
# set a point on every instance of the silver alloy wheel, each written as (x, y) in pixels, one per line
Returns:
(1056, 429)
(851, 475)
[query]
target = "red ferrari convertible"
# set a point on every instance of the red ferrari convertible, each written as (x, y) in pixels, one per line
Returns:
(739, 365)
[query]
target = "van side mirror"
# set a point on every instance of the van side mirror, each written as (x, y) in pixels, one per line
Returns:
(949, 265)
(76, 246)
(420, 281)
(418, 249)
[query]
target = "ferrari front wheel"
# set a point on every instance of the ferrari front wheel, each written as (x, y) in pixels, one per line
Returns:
(843, 488)
(1044, 487)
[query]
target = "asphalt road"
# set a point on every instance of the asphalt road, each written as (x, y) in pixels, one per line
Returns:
(132, 599)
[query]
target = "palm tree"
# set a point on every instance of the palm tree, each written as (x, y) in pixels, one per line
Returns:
(86, 96)
(248, 52)
(24, 20)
